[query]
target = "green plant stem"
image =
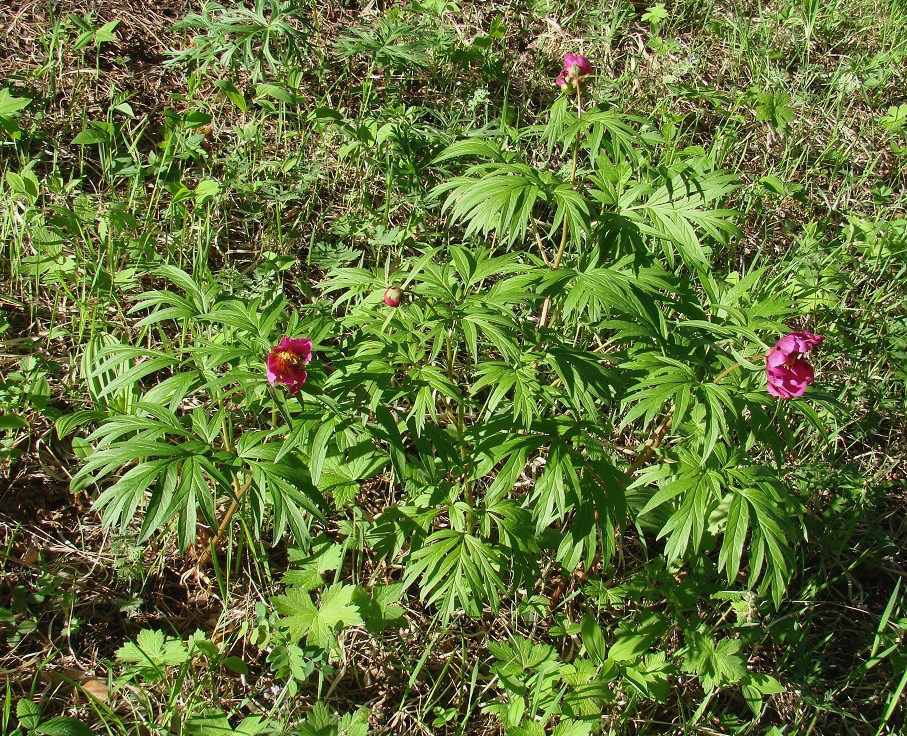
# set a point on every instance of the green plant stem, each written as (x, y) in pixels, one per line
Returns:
(238, 492)
(459, 422)
(467, 485)
(565, 229)
(225, 522)
(538, 239)
(735, 366)
(728, 370)
(652, 443)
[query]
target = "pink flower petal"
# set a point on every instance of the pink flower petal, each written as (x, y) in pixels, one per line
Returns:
(776, 357)
(798, 342)
(787, 374)
(579, 61)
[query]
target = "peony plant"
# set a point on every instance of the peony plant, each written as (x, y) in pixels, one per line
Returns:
(565, 372)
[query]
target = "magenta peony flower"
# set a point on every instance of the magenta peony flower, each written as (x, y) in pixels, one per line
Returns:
(583, 65)
(392, 296)
(285, 362)
(787, 373)
(575, 66)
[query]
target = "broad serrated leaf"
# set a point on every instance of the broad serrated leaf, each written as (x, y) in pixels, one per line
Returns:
(300, 617)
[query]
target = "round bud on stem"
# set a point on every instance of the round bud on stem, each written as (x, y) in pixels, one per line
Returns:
(392, 296)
